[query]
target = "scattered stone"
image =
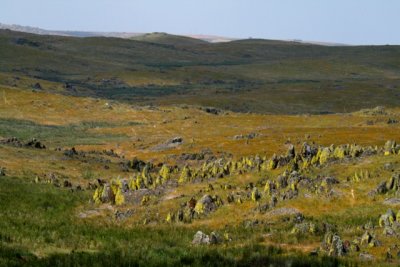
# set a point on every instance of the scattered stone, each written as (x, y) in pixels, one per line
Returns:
(214, 238)
(37, 86)
(172, 143)
(387, 219)
(366, 256)
(262, 208)
(255, 195)
(291, 214)
(13, 141)
(201, 239)
(211, 110)
(138, 164)
(377, 111)
(337, 247)
(89, 213)
(382, 188)
(392, 121)
(205, 154)
(122, 215)
(35, 144)
(67, 183)
(245, 136)
(304, 228)
(392, 201)
(388, 166)
(391, 147)
(208, 204)
(252, 223)
(70, 152)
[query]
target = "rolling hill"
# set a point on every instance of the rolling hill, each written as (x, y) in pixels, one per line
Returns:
(251, 75)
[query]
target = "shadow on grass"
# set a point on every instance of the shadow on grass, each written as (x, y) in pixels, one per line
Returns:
(253, 256)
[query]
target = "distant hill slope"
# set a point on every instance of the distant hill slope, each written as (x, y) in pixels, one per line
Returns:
(169, 39)
(144, 36)
(249, 75)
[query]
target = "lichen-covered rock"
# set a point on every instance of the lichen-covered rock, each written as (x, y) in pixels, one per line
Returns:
(361, 175)
(104, 194)
(273, 201)
(208, 204)
(170, 217)
(324, 156)
(341, 152)
(273, 163)
(305, 228)
(147, 179)
(165, 173)
(387, 219)
(255, 195)
(119, 197)
(381, 188)
(333, 245)
(2, 171)
(394, 182)
(337, 248)
(282, 181)
(391, 147)
(355, 151)
(145, 199)
(291, 153)
(308, 151)
(269, 188)
(215, 238)
(185, 175)
(366, 239)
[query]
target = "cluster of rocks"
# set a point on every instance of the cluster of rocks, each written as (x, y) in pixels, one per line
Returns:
(287, 185)
(205, 154)
(360, 176)
(195, 208)
(211, 110)
(390, 222)
(392, 185)
(392, 121)
(391, 147)
(86, 157)
(245, 136)
(201, 238)
(57, 180)
(122, 215)
(150, 180)
(119, 191)
(377, 111)
(169, 144)
(109, 153)
(335, 246)
(150, 176)
(13, 141)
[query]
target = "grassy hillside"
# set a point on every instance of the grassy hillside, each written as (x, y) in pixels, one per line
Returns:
(50, 218)
(248, 75)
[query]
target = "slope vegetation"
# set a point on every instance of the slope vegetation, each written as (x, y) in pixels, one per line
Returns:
(249, 75)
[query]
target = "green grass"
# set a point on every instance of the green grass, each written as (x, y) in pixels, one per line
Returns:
(39, 227)
(74, 134)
